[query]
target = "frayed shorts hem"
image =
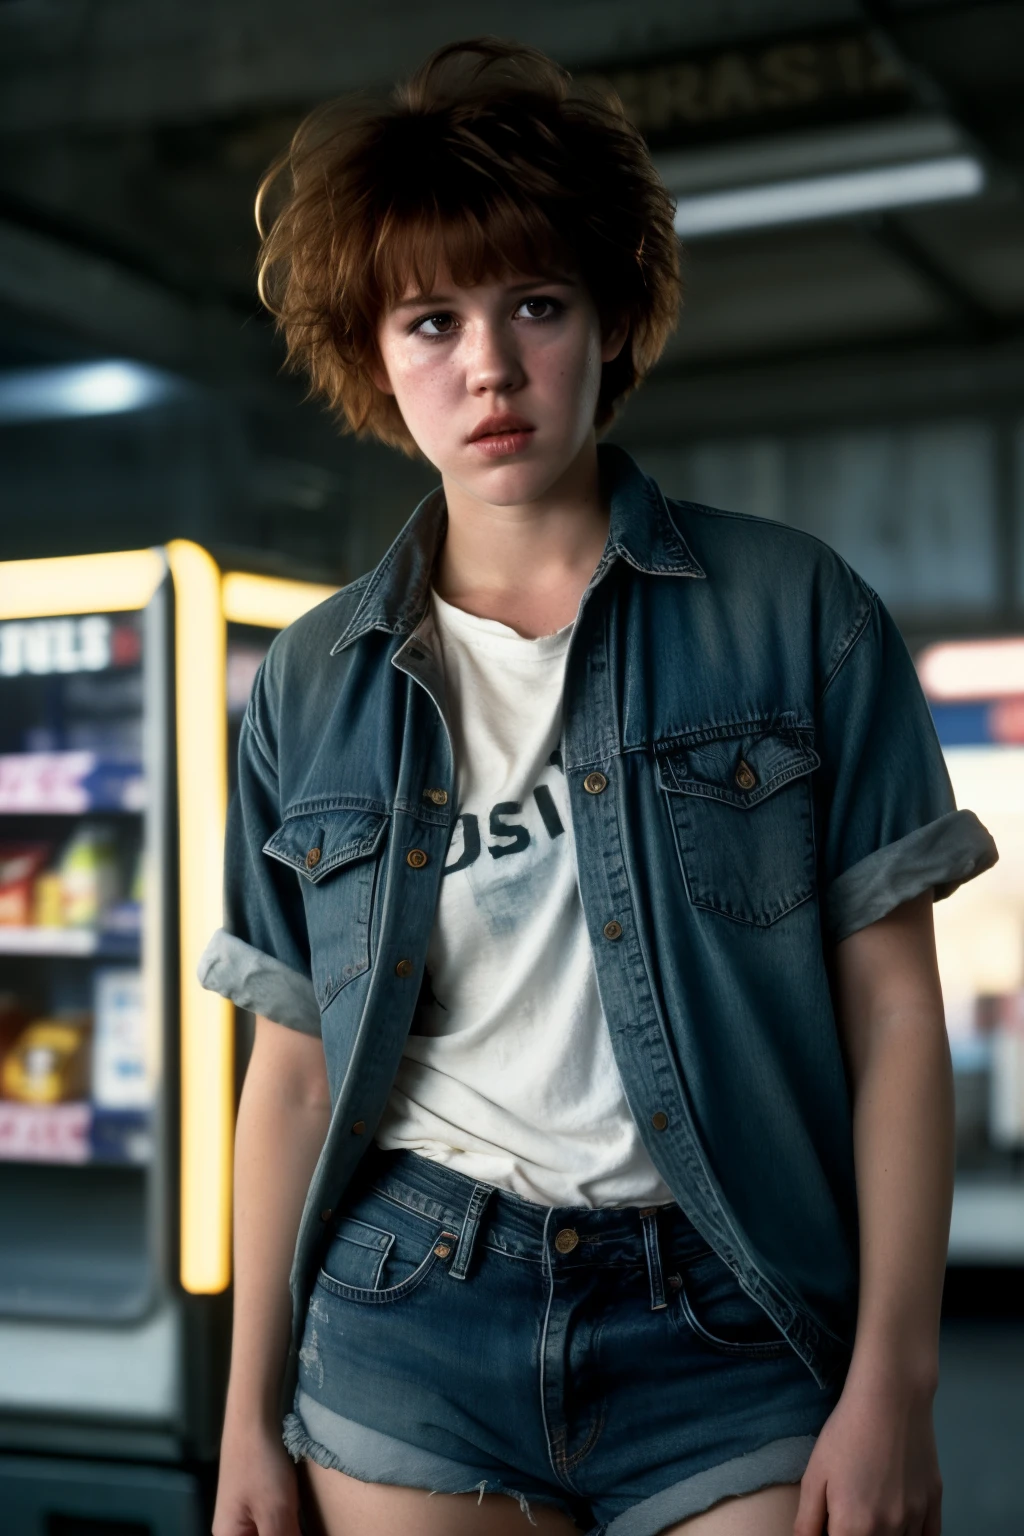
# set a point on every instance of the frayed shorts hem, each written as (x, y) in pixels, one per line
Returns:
(422, 1470)
(373, 1457)
(780, 1461)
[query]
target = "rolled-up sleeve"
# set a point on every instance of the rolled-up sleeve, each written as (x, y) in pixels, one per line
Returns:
(891, 827)
(260, 958)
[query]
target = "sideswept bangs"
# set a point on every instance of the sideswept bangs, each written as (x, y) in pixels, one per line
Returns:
(488, 162)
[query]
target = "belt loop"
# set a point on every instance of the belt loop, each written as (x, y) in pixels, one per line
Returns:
(649, 1223)
(467, 1237)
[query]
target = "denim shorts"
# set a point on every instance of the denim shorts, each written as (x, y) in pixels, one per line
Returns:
(606, 1362)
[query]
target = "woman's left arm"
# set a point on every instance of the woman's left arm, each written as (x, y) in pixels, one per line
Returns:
(874, 1470)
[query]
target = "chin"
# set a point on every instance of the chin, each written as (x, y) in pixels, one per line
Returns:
(514, 483)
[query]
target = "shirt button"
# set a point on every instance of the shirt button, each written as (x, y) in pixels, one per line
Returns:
(438, 796)
(566, 1240)
(416, 858)
(612, 930)
(359, 1127)
(326, 1215)
(659, 1120)
(746, 778)
(594, 783)
(403, 968)
(312, 858)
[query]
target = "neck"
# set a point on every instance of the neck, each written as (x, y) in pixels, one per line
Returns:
(528, 564)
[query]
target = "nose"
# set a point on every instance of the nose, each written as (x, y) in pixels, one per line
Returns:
(494, 365)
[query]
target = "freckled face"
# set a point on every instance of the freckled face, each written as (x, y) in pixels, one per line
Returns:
(498, 383)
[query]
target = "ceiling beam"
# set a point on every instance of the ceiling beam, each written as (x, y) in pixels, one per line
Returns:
(823, 389)
(120, 312)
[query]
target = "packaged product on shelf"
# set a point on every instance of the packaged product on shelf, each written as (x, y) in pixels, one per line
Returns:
(48, 1062)
(120, 1068)
(89, 875)
(48, 900)
(20, 863)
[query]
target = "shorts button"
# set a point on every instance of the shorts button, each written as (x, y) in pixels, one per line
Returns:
(438, 796)
(416, 858)
(326, 1215)
(359, 1127)
(746, 778)
(312, 858)
(403, 968)
(443, 1250)
(659, 1120)
(594, 783)
(566, 1240)
(612, 930)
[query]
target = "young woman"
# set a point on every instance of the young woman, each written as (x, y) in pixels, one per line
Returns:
(580, 876)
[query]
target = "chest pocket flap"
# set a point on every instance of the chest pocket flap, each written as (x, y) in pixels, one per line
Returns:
(336, 854)
(741, 812)
(738, 770)
(317, 843)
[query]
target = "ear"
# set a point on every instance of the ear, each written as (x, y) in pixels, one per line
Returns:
(614, 339)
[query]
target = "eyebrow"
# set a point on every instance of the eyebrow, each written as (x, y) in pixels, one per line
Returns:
(426, 300)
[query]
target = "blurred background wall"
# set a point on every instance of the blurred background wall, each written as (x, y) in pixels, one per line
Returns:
(850, 360)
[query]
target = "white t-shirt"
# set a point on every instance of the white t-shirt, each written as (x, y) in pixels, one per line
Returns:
(508, 1074)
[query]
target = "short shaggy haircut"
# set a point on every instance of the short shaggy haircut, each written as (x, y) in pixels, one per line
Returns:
(491, 160)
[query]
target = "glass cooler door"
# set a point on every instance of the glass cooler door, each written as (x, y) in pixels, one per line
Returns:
(82, 784)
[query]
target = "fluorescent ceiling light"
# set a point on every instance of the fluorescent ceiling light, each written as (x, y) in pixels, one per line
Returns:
(826, 197)
(81, 389)
(972, 669)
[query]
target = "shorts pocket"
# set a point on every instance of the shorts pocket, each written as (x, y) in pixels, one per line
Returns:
(741, 812)
(717, 1310)
(368, 1261)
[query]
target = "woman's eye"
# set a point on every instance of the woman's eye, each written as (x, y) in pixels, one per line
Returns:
(540, 308)
(435, 325)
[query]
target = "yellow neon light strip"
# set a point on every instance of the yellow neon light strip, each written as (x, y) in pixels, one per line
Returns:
(269, 601)
(115, 583)
(207, 1020)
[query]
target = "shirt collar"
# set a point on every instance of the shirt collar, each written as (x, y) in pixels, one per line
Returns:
(642, 531)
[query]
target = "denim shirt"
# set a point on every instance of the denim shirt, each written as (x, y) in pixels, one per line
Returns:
(753, 774)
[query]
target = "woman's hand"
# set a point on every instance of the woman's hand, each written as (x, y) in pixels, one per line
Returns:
(257, 1489)
(875, 1469)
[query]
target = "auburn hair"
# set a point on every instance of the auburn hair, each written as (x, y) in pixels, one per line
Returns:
(490, 160)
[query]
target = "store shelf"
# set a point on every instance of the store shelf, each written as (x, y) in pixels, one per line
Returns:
(68, 784)
(69, 941)
(73, 1133)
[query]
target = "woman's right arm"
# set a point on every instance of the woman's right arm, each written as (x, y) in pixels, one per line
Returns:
(282, 1124)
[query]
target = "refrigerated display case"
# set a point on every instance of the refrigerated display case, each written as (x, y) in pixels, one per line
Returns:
(123, 678)
(976, 692)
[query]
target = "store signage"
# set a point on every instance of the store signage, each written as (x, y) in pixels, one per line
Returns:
(825, 78)
(67, 783)
(45, 1133)
(44, 646)
(986, 722)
